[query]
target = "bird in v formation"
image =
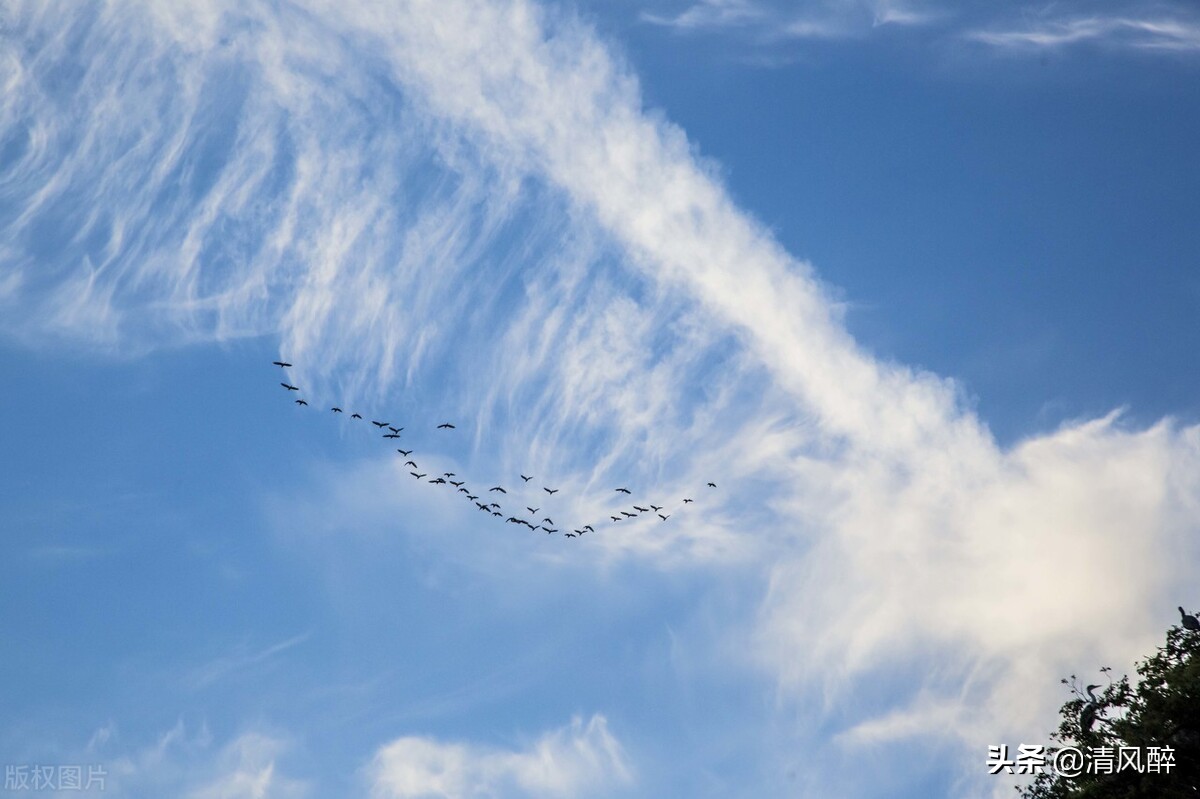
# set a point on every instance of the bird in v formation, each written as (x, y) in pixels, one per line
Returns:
(1189, 622)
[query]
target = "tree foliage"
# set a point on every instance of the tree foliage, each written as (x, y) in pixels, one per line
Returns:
(1161, 710)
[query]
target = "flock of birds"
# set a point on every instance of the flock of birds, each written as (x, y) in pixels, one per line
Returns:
(485, 501)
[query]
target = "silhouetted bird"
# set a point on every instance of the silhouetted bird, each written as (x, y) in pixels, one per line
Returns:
(1087, 715)
(448, 474)
(412, 464)
(494, 505)
(664, 518)
(391, 435)
(336, 410)
(418, 476)
(588, 527)
(457, 484)
(526, 479)
(280, 363)
(355, 416)
(289, 387)
(640, 509)
(624, 490)
(301, 402)
(472, 497)
(532, 510)
(497, 513)
(441, 480)
(405, 452)
(570, 535)
(498, 488)
(445, 426)
(463, 490)
(615, 518)
(712, 485)
(550, 491)
(395, 429)
(548, 519)
(1190, 622)
(380, 425)
(627, 513)
(686, 500)
(656, 508)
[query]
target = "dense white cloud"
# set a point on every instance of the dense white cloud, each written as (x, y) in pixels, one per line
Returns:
(472, 191)
(577, 760)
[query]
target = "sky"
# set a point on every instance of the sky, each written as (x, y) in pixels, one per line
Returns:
(913, 284)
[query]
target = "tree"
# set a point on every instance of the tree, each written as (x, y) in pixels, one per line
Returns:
(1161, 711)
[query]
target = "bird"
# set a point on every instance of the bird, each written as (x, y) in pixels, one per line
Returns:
(301, 402)
(418, 476)
(712, 485)
(463, 490)
(289, 387)
(392, 435)
(380, 425)
(532, 510)
(449, 474)
(571, 535)
(623, 490)
(355, 416)
(664, 518)
(686, 500)
(497, 513)
(548, 519)
(395, 429)
(550, 491)
(336, 410)
(412, 464)
(656, 508)
(281, 363)
(1087, 715)
(1190, 622)
(640, 509)
(498, 488)
(441, 480)
(586, 527)
(445, 426)
(405, 452)
(526, 479)
(627, 513)
(494, 505)
(457, 484)
(615, 518)
(472, 497)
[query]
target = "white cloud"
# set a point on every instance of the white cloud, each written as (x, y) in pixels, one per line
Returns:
(577, 760)
(1160, 33)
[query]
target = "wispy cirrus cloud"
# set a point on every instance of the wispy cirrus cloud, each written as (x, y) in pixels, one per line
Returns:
(768, 21)
(1164, 33)
(577, 760)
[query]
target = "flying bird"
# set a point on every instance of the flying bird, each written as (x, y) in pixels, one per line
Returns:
(498, 488)
(664, 518)
(550, 491)
(289, 387)
(395, 429)
(1190, 622)
(624, 490)
(418, 476)
(686, 500)
(473, 497)
(495, 505)
(615, 518)
(412, 464)
(355, 416)
(532, 510)
(441, 480)
(380, 425)
(656, 507)
(301, 402)
(336, 410)
(640, 509)
(463, 490)
(712, 485)
(445, 426)
(405, 452)
(457, 484)
(526, 479)
(280, 363)
(586, 527)
(571, 535)
(392, 435)
(548, 519)
(627, 513)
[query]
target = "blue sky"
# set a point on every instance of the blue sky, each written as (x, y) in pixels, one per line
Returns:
(913, 283)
